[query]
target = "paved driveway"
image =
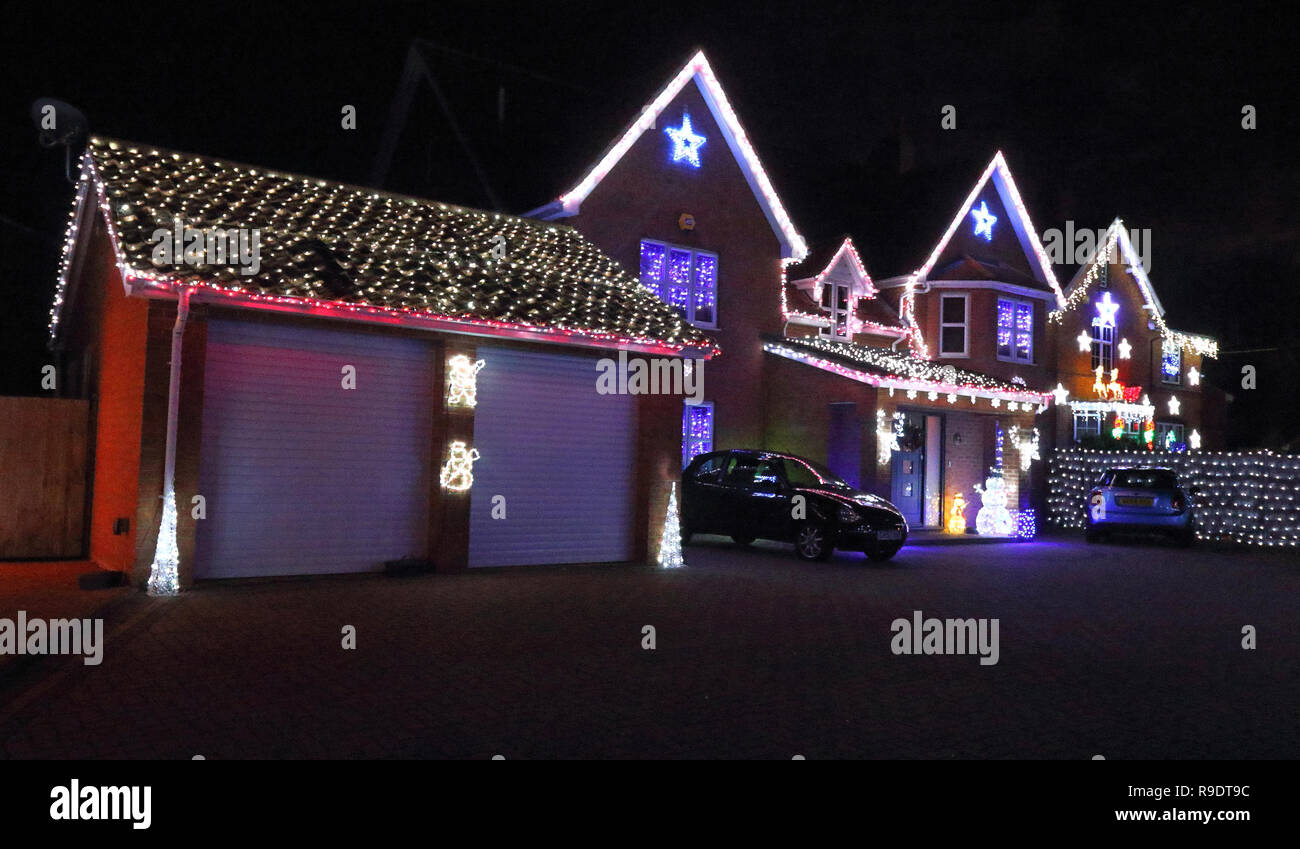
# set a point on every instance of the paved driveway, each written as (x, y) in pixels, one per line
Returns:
(1130, 651)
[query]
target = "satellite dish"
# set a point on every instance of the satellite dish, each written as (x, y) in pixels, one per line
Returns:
(59, 123)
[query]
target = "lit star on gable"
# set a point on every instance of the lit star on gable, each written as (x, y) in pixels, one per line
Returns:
(1125, 349)
(686, 142)
(984, 221)
(1085, 342)
(1061, 393)
(1106, 309)
(1173, 405)
(1194, 441)
(1193, 376)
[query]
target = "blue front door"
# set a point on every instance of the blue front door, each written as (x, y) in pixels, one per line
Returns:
(905, 489)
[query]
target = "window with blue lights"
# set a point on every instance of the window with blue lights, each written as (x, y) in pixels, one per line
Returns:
(697, 430)
(1171, 363)
(684, 278)
(1015, 330)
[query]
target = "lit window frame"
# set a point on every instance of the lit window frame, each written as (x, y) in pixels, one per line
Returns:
(964, 297)
(1014, 356)
(687, 455)
(833, 311)
(658, 288)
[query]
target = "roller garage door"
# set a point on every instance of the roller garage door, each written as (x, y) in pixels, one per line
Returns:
(561, 454)
(303, 476)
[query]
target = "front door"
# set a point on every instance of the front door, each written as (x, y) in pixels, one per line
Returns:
(906, 473)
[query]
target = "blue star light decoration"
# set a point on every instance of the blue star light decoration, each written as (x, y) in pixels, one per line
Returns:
(686, 142)
(984, 221)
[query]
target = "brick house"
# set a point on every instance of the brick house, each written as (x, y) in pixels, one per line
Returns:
(1120, 369)
(815, 353)
(326, 413)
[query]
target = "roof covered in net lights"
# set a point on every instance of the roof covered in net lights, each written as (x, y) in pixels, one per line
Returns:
(372, 252)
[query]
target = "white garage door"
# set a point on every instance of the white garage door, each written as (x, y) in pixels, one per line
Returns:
(561, 454)
(304, 476)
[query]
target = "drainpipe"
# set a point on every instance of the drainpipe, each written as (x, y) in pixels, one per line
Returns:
(164, 571)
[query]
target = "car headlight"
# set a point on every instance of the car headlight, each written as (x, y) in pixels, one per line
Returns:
(849, 516)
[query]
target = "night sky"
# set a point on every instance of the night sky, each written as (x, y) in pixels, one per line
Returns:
(1101, 112)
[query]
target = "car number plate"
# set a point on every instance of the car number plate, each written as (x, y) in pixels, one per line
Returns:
(1136, 502)
(889, 534)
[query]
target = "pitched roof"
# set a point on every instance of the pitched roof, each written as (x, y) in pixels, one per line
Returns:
(891, 369)
(1115, 238)
(1005, 184)
(697, 69)
(370, 255)
(1000, 174)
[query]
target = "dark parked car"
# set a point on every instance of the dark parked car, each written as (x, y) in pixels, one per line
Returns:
(750, 495)
(1146, 499)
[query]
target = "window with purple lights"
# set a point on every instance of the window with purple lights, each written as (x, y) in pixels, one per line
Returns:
(1015, 331)
(684, 278)
(697, 430)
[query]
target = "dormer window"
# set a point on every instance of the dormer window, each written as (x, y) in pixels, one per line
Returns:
(835, 302)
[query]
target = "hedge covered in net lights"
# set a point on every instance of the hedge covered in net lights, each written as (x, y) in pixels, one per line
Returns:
(1251, 497)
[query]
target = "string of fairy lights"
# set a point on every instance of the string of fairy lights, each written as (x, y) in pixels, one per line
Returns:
(1250, 497)
(1117, 238)
(895, 371)
(389, 254)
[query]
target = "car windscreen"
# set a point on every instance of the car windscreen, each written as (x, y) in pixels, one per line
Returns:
(1144, 479)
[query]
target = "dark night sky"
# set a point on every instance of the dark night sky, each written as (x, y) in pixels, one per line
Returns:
(1128, 111)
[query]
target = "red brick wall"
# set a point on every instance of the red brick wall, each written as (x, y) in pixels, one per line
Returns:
(643, 196)
(115, 375)
(1074, 367)
(982, 335)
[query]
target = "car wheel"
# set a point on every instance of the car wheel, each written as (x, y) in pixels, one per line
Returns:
(880, 555)
(742, 540)
(1092, 535)
(1185, 538)
(810, 542)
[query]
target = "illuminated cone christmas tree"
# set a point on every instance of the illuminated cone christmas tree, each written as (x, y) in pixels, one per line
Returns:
(670, 545)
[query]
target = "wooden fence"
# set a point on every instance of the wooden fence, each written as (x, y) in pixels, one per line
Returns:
(44, 457)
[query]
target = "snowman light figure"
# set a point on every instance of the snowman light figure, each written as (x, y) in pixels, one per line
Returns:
(458, 472)
(994, 517)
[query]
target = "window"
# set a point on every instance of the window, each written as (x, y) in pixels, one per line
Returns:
(697, 431)
(710, 470)
(1015, 331)
(1169, 434)
(1103, 346)
(1086, 424)
(1171, 363)
(952, 325)
(835, 301)
(685, 279)
(810, 474)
